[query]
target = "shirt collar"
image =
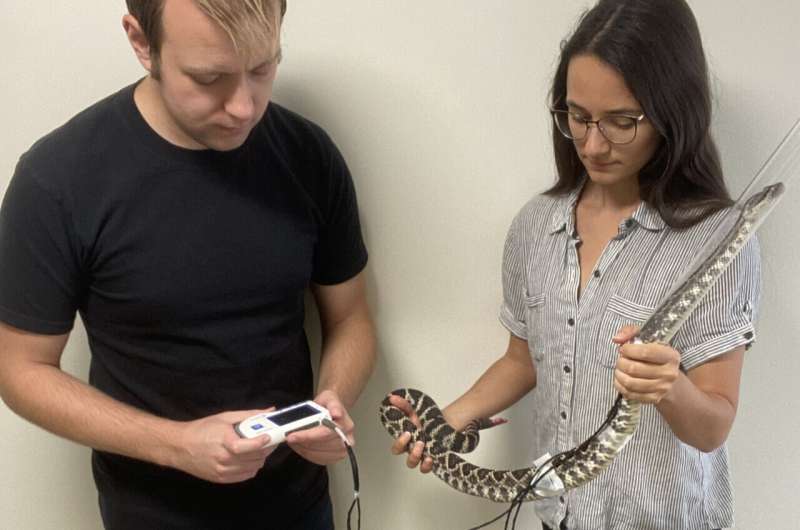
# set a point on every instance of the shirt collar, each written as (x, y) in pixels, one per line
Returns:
(648, 218)
(564, 217)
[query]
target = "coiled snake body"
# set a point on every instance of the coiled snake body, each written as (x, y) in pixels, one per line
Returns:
(586, 461)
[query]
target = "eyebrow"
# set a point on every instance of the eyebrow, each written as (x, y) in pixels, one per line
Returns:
(624, 110)
(223, 69)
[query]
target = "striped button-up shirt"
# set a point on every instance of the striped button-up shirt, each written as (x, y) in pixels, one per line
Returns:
(657, 481)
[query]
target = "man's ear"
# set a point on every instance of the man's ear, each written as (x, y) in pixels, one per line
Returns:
(139, 43)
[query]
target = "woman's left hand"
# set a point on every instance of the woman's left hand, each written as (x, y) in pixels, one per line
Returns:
(645, 372)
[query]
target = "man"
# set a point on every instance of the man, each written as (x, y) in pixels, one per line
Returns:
(184, 217)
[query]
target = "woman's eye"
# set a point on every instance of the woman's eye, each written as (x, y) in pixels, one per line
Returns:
(621, 122)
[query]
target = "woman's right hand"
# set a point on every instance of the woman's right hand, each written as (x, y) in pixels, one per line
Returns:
(415, 457)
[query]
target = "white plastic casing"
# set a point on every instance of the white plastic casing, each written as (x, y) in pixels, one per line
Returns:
(279, 423)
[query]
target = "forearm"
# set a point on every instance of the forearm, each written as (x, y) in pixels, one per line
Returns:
(503, 384)
(348, 357)
(67, 407)
(698, 418)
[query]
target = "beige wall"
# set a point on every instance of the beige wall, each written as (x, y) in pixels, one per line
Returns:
(439, 108)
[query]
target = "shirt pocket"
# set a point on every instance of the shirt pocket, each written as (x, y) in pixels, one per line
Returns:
(619, 312)
(534, 317)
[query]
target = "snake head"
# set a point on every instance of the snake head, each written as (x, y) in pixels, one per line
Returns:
(759, 204)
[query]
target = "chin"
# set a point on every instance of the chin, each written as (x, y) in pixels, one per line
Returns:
(609, 177)
(228, 143)
(603, 177)
(226, 146)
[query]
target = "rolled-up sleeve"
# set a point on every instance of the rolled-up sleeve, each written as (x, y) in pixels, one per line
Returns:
(725, 318)
(512, 312)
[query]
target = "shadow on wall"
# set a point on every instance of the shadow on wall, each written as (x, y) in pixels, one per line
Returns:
(389, 491)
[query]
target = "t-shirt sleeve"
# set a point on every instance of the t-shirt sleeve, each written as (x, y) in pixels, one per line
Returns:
(724, 319)
(340, 253)
(512, 312)
(39, 278)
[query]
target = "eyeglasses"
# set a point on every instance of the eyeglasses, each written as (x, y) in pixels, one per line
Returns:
(617, 129)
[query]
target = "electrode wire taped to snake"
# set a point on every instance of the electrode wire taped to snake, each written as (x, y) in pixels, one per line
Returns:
(583, 463)
(544, 469)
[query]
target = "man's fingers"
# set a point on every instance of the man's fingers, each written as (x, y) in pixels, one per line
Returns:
(237, 416)
(330, 400)
(242, 446)
(309, 436)
(338, 412)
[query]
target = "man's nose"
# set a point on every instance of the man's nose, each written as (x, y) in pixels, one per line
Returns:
(241, 104)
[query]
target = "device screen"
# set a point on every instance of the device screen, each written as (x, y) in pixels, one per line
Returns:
(283, 418)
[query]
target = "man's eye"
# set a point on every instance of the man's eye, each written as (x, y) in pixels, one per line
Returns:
(263, 70)
(205, 80)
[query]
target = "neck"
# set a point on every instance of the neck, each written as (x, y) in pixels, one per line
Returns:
(148, 100)
(619, 197)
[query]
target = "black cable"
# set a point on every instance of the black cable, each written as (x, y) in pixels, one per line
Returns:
(487, 523)
(552, 462)
(357, 505)
(354, 467)
(356, 488)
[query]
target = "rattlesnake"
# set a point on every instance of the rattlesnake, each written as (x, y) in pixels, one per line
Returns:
(586, 461)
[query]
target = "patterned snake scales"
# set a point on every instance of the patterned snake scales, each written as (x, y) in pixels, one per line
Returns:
(585, 462)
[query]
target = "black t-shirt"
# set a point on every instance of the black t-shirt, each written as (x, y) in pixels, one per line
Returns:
(188, 269)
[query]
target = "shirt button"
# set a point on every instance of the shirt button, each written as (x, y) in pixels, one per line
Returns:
(563, 415)
(748, 335)
(567, 369)
(571, 321)
(596, 274)
(561, 500)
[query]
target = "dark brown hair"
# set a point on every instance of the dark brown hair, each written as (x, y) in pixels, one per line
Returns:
(656, 47)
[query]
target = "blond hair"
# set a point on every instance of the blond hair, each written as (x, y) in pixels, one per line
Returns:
(249, 23)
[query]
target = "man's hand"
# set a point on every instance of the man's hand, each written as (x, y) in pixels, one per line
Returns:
(645, 372)
(321, 445)
(211, 449)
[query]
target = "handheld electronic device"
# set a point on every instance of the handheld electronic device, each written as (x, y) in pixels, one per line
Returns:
(279, 423)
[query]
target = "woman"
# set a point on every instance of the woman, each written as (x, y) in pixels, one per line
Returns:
(639, 190)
